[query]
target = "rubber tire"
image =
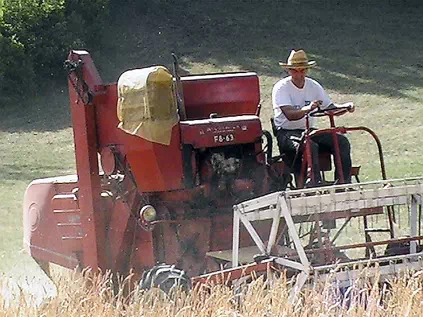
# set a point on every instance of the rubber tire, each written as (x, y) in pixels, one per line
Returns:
(166, 277)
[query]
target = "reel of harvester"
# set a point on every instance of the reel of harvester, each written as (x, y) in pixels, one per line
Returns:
(315, 256)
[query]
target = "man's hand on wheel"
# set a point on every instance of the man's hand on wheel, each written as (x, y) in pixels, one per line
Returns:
(314, 105)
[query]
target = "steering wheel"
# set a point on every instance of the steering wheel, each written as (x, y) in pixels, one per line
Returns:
(332, 110)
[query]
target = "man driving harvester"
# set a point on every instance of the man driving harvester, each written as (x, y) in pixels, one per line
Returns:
(295, 97)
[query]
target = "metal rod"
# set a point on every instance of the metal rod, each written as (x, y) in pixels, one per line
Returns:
(340, 229)
(378, 143)
(363, 245)
(367, 261)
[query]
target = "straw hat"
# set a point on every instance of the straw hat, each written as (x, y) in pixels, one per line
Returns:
(298, 59)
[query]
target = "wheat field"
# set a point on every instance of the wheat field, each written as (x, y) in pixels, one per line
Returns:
(79, 295)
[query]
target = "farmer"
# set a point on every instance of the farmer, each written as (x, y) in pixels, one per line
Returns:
(293, 97)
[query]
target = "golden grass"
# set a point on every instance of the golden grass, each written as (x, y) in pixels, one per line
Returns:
(79, 296)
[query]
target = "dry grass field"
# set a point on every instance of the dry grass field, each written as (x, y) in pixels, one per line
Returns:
(78, 296)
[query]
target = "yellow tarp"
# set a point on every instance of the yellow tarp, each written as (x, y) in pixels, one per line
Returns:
(147, 103)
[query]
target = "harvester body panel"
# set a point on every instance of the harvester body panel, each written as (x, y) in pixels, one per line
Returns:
(191, 176)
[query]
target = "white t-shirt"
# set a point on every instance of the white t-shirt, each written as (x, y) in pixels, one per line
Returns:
(285, 93)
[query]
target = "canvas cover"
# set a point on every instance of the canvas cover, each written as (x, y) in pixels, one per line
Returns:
(147, 104)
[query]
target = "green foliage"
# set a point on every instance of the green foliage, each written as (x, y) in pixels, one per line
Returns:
(16, 69)
(87, 18)
(36, 36)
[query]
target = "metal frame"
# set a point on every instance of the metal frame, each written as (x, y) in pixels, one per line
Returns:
(333, 130)
(329, 200)
(85, 137)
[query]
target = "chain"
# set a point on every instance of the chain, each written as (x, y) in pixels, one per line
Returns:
(78, 82)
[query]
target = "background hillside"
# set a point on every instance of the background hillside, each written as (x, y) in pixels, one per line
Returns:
(368, 52)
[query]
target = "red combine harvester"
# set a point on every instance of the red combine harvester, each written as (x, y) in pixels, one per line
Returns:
(183, 164)
(166, 191)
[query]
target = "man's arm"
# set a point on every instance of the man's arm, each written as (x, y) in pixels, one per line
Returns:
(348, 105)
(293, 114)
